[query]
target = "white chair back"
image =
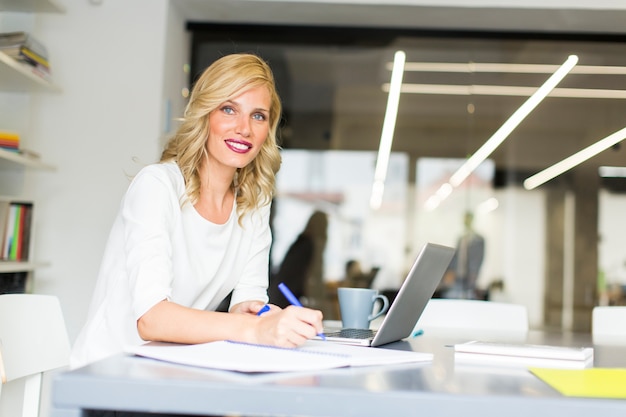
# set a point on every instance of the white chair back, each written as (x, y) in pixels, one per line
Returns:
(608, 325)
(33, 340)
(474, 318)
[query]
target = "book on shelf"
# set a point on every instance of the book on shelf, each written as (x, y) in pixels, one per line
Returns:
(16, 224)
(14, 41)
(39, 65)
(525, 355)
(26, 56)
(32, 58)
(9, 140)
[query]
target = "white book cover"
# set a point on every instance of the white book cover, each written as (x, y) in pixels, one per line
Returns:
(462, 358)
(526, 350)
(525, 355)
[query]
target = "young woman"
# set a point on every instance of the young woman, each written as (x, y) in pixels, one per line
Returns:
(195, 226)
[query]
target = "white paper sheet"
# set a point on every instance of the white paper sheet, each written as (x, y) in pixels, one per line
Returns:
(244, 357)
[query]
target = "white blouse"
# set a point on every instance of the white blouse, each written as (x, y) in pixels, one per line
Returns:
(157, 250)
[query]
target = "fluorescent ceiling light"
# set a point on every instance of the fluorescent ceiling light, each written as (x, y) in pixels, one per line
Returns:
(612, 172)
(389, 125)
(488, 205)
(573, 160)
(441, 194)
(506, 90)
(471, 67)
(501, 90)
(520, 114)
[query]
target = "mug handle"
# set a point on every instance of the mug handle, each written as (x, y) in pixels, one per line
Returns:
(383, 309)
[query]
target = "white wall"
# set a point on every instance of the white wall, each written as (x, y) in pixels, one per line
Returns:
(109, 61)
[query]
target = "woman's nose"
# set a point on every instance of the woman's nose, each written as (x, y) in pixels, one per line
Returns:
(243, 126)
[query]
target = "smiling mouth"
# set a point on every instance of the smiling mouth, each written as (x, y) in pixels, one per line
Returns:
(238, 146)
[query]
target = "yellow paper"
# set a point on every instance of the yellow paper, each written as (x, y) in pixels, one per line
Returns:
(592, 382)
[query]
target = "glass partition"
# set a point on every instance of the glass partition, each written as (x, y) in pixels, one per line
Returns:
(554, 248)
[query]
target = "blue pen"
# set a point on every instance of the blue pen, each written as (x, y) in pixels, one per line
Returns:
(263, 309)
(293, 300)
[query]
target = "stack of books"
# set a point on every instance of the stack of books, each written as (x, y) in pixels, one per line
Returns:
(23, 47)
(9, 141)
(15, 228)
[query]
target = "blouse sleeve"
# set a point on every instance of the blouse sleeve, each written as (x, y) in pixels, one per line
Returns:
(149, 211)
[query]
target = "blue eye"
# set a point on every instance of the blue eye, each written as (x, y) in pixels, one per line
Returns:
(228, 110)
(259, 117)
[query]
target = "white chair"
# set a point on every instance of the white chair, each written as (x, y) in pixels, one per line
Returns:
(474, 318)
(608, 325)
(33, 340)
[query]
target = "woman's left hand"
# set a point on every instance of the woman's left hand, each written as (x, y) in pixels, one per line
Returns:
(251, 307)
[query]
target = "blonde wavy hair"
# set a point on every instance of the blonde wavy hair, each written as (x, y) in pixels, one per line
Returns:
(226, 78)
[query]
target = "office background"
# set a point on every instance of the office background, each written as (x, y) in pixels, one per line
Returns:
(121, 68)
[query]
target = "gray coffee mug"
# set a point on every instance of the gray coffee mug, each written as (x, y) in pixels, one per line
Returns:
(357, 306)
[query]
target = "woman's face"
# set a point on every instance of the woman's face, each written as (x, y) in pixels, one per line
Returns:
(239, 127)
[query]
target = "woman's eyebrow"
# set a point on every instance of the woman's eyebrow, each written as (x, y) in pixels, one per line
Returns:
(236, 103)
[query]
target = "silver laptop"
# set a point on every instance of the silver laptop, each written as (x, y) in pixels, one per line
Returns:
(416, 290)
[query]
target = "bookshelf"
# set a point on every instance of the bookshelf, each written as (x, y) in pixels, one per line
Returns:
(16, 160)
(20, 266)
(19, 78)
(16, 243)
(16, 77)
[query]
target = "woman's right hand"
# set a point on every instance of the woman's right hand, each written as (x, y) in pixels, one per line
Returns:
(289, 327)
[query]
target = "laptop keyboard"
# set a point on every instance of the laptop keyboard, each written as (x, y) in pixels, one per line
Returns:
(352, 333)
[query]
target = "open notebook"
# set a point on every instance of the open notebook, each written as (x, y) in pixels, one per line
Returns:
(416, 290)
(245, 357)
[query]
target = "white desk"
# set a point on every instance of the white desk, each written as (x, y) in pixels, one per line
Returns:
(433, 389)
